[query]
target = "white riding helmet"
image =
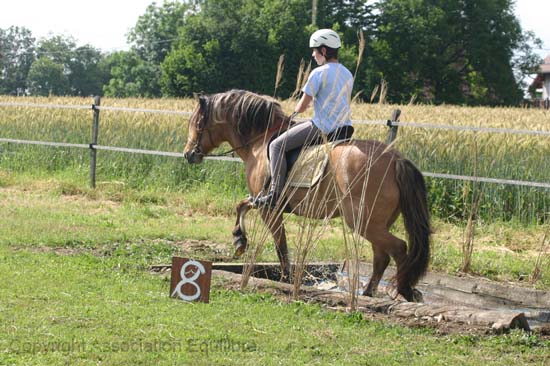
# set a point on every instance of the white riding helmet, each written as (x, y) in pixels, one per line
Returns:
(325, 37)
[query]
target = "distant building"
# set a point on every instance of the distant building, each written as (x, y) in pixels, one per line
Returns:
(542, 81)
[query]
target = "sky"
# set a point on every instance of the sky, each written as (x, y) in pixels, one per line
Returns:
(102, 23)
(105, 23)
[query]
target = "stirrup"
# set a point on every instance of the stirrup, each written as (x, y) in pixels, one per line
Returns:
(268, 200)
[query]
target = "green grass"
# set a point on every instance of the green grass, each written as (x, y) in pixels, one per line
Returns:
(56, 212)
(75, 289)
(84, 309)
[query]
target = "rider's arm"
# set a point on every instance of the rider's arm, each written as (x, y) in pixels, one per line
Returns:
(303, 103)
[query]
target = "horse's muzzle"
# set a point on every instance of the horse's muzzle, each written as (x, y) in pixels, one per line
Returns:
(193, 157)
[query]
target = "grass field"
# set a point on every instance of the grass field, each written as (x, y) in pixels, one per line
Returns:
(75, 285)
(76, 290)
(89, 310)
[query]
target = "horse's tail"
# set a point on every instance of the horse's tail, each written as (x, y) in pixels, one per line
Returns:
(414, 207)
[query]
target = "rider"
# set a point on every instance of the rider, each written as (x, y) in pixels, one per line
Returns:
(329, 86)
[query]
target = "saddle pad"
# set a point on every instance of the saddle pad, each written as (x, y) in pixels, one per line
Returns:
(310, 166)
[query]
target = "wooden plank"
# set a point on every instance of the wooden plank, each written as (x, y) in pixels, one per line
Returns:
(270, 270)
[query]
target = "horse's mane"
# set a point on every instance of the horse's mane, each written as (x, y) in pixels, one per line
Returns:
(247, 112)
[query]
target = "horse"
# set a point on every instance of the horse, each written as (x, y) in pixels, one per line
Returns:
(369, 184)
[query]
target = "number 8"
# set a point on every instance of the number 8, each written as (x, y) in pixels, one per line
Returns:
(191, 280)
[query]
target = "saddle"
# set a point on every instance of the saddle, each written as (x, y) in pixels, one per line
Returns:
(306, 164)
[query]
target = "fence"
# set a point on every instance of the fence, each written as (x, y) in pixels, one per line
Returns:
(539, 103)
(393, 124)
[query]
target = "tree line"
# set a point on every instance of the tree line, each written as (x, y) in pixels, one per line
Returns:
(435, 51)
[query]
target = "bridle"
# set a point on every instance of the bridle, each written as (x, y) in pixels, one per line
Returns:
(201, 127)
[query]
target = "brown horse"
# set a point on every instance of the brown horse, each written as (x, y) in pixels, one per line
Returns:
(367, 182)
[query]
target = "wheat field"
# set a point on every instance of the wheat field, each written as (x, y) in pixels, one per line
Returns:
(494, 155)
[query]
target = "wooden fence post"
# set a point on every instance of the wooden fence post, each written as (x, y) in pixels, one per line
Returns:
(392, 134)
(95, 132)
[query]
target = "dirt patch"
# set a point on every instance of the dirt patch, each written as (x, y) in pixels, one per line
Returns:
(215, 252)
(61, 250)
(199, 249)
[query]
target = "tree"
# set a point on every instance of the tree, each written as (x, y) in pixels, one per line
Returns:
(82, 66)
(47, 77)
(492, 34)
(458, 51)
(350, 16)
(87, 71)
(151, 39)
(188, 69)
(131, 76)
(526, 62)
(409, 50)
(157, 29)
(236, 44)
(58, 48)
(16, 58)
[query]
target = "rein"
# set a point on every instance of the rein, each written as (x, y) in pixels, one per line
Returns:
(202, 127)
(269, 132)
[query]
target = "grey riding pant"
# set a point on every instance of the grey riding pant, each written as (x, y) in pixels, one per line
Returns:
(298, 135)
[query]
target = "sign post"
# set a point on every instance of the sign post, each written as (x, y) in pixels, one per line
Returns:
(190, 279)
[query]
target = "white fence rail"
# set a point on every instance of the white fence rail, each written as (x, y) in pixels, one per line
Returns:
(393, 124)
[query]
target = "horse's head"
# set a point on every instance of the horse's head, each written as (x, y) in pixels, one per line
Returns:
(200, 140)
(237, 116)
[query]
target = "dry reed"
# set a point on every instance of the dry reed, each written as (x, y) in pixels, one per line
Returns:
(469, 230)
(279, 76)
(536, 274)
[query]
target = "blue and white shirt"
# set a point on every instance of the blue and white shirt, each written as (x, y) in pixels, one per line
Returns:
(330, 86)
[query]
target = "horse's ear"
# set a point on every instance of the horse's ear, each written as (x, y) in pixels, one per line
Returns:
(199, 95)
(203, 101)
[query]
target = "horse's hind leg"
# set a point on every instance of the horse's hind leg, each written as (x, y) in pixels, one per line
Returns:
(374, 226)
(385, 245)
(380, 262)
(383, 240)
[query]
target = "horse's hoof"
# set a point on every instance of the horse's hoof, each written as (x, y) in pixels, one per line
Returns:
(394, 294)
(240, 248)
(366, 292)
(410, 295)
(417, 296)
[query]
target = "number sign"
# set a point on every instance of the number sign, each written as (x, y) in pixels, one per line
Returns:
(190, 279)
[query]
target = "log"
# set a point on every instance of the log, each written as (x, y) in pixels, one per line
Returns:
(467, 290)
(497, 320)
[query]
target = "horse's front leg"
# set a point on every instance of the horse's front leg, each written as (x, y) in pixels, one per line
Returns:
(274, 221)
(239, 232)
